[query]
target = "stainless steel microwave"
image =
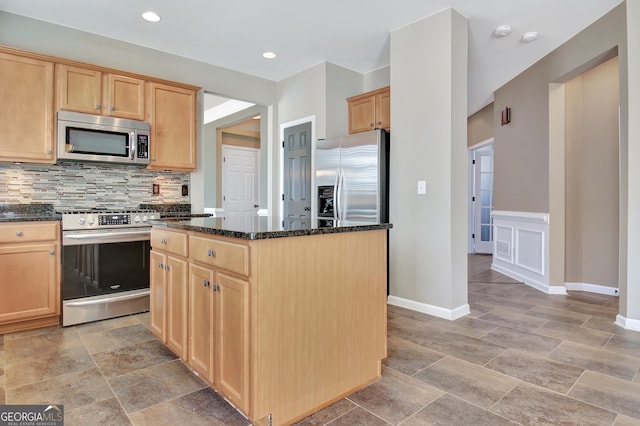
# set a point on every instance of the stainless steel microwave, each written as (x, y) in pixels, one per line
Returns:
(87, 137)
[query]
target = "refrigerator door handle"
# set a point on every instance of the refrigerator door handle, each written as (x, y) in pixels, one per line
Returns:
(338, 197)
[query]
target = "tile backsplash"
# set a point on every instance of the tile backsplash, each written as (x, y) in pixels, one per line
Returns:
(89, 185)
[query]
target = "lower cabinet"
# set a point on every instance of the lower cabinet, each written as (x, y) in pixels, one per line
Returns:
(169, 298)
(29, 275)
(219, 331)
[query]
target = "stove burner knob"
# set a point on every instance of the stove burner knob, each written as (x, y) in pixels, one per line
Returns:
(136, 219)
(81, 221)
(144, 219)
(91, 220)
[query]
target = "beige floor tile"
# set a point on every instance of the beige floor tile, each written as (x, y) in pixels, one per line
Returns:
(627, 345)
(30, 345)
(107, 412)
(448, 410)
(201, 408)
(2, 390)
(116, 338)
(397, 311)
(531, 405)
(359, 416)
(71, 390)
(557, 314)
(46, 366)
(517, 305)
(472, 383)
(509, 318)
(169, 380)
(478, 309)
(522, 340)
(574, 333)
(471, 327)
(328, 414)
(407, 357)
(130, 358)
(623, 420)
(553, 375)
(108, 324)
(395, 396)
(608, 392)
(593, 309)
(602, 361)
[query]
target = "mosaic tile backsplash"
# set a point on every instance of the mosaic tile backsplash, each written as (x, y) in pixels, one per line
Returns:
(89, 185)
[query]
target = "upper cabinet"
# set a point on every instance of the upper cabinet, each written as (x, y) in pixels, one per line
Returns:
(171, 111)
(370, 111)
(94, 92)
(26, 110)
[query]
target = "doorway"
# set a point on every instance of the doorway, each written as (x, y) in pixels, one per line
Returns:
(240, 185)
(296, 196)
(481, 197)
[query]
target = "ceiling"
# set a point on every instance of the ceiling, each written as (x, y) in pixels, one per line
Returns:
(354, 34)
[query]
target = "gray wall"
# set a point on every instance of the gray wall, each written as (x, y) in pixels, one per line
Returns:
(592, 176)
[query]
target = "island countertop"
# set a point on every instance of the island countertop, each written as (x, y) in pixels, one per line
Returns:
(260, 227)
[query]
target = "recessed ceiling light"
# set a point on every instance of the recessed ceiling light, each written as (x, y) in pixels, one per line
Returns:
(151, 16)
(257, 117)
(502, 30)
(530, 36)
(268, 55)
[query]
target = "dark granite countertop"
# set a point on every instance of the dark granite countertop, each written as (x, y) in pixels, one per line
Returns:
(262, 227)
(27, 213)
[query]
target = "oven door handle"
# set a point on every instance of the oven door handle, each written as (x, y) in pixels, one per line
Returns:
(109, 299)
(108, 235)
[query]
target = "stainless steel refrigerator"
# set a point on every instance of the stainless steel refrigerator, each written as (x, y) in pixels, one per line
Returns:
(352, 178)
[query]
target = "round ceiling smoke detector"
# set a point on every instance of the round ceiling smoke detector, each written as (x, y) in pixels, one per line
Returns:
(502, 31)
(530, 36)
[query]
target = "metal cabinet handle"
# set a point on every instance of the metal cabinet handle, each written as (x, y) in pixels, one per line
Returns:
(52, 252)
(98, 106)
(216, 287)
(112, 108)
(19, 234)
(212, 253)
(160, 265)
(166, 267)
(164, 241)
(205, 283)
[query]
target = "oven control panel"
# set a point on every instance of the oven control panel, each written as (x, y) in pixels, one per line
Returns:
(97, 220)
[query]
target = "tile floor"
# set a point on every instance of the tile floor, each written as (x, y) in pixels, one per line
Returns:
(521, 357)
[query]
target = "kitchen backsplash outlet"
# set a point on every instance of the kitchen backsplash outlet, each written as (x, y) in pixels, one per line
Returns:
(88, 185)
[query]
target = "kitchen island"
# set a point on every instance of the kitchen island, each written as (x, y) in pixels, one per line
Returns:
(282, 322)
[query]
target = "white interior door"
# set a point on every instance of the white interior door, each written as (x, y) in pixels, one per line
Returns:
(239, 185)
(483, 199)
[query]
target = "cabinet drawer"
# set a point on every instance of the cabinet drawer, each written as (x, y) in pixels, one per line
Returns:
(222, 254)
(169, 241)
(25, 232)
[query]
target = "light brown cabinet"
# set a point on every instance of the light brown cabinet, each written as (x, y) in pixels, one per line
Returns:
(29, 275)
(26, 110)
(169, 291)
(94, 92)
(371, 110)
(171, 111)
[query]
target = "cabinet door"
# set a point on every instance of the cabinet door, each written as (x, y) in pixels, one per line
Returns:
(383, 110)
(157, 287)
(124, 97)
(232, 338)
(201, 344)
(26, 110)
(362, 114)
(29, 281)
(177, 305)
(172, 114)
(79, 89)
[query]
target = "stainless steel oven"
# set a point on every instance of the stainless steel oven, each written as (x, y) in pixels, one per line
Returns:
(105, 264)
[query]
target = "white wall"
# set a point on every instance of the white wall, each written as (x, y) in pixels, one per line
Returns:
(428, 252)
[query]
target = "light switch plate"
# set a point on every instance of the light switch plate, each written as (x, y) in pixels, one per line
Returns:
(422, 187)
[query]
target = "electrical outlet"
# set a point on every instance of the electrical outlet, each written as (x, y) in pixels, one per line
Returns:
(156, 189)
(422, 187)
(185, 190)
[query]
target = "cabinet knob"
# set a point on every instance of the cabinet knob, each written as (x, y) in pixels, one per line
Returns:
(212, 253)
(370, 124)
(19, 234)
(164, 241)
(216, 287)
(160, 265)
(205, 283)
(112, 108)
(52, 252)
(98, 106)
(166, 267)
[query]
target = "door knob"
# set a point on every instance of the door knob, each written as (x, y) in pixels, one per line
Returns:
(255, 206)
(307, 209)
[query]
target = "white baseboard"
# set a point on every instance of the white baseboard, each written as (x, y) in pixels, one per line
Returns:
(425, 308)
(593, 288)
(628, 323)
(538, 285)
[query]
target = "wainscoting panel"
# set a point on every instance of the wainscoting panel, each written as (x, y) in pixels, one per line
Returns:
(521, 248)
